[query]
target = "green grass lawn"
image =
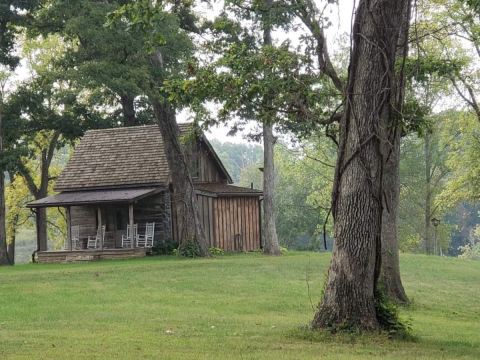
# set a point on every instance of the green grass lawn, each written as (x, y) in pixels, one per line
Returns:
(231, 307)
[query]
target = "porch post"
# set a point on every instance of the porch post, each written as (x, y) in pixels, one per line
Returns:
(69, 229)
(42, 244)
(99, 219)
(131, 221)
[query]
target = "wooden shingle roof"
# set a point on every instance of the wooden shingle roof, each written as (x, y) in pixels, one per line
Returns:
(117, 158)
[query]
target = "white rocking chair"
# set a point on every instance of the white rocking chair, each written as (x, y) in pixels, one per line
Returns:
(75, 237)
(146, 240)
(94, 241)
(127, 239)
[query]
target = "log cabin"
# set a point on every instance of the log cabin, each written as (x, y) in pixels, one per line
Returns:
(118, 180)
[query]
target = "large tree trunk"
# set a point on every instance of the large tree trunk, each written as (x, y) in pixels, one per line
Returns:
(349, 297)
(41, 191)
(271, 246)
(428, 194)
(11, 242)
(390, 271)
(3, 229)
(190, 228)
(11, 250)
(42, 238)
(128, 109)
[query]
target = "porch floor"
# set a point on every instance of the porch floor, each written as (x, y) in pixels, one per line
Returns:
(64, 256)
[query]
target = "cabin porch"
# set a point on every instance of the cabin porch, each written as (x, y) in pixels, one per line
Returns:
(106, 215)
(64, 256)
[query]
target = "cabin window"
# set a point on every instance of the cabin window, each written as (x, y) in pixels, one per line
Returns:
(195, 162)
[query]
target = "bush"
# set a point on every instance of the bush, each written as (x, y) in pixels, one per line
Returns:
(165, 247)
(388, 317)
(470, 251)
(215, 251)
(189, 249)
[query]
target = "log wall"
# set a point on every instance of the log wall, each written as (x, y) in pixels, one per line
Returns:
(152, 209)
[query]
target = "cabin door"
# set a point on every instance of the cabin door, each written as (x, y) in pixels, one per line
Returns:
(116, 219)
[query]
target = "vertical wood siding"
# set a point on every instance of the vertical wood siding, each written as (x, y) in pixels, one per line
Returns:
(233, 224)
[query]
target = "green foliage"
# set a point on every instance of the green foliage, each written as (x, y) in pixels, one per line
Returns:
(189, 249)
(389, 318)
(252, 81)
(108, 62)
(237, 157)
(18, 216)
(474, 4)
(216, 251)
(12, 14)
(283, 250)
(424, 68)
(303, 189)
(472, 249)
(463, 156)
(165, 247)
(304, 176)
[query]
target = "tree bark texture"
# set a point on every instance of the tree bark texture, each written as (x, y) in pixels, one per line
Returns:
(41, 191)
(349, 297)
(271, 246)
(390, 278)
(11, 239)
(11, 250)
(3, 228)
(390, 270)
(128, 109)
(428, 194)
(190, 228)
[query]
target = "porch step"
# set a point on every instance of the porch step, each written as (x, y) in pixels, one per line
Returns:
(88, 255)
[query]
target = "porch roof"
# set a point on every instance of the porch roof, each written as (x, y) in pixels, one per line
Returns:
(95, 197)
(219, 189)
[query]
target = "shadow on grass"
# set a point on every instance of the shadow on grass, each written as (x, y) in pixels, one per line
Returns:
(435, 348)
(306, 333)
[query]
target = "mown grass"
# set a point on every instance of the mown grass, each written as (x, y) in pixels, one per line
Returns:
(230, 307)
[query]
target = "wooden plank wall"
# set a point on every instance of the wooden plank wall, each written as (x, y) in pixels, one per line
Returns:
(236, 223)
(230, 223)
(205, 206)
(86, 218)
(154, 209)
(209, 171)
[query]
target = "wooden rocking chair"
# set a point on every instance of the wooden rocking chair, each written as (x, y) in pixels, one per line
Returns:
(94, 241)
(127, 239)
(146, 240)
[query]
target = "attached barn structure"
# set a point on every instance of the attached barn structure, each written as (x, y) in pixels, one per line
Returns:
(118, 180)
